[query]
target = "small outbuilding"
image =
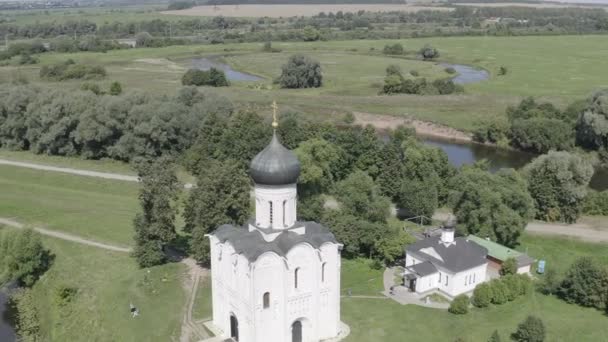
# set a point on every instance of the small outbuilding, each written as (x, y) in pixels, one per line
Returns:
(498, 254)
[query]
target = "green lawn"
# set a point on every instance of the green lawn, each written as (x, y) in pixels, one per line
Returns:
(89, 207)
(106, 283)
(555, 68)
(202, 303)
(358, 277)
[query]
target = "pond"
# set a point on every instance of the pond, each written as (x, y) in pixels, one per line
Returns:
(467, 74)
(467, 153)
(7, 333)
(231, 74)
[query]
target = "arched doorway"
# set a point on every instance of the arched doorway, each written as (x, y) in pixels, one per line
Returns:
(234, 327)
(296, 331)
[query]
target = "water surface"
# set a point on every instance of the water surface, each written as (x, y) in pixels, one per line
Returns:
(467, 74)
(7, 333)
(231, 74)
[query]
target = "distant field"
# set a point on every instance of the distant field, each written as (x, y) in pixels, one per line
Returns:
(523, 4)
(278, 11)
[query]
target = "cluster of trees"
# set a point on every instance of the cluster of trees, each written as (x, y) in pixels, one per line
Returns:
(212, 77)
(393, 49)
(123, 127)
(585, 283)
(69, 70)
(596, 203)
(396, 83)
(301, 72)
(180, 5)
(541, 127)
(501, 290)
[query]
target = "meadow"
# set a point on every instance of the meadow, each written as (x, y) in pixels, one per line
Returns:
(354, 71)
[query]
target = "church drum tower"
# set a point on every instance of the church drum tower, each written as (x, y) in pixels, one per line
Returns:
(275, 279)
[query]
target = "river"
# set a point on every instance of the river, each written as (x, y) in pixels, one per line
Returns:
(7, 333)
(231, 74)
(467, 153)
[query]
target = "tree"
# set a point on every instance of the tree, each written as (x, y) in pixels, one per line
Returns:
(585, 283)
(360, 196)
(310, 34)
(558, 183)
(143, 39)
(428, 52)
(460, 305)
(358, 236)
(499, 292)
(549, 283)
(155, 224)
(540, 135)
(213, 77)
(301, 72)
(23, 258)
(592, 125)
(394, 49)
(496, 206)
(495, 337)
(320, 163)
(390, 245)
(509, 266)
(531, 329)
(221, 196)
(115, 88)
(482, 295)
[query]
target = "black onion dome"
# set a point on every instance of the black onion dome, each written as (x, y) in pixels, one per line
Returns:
(275, 165)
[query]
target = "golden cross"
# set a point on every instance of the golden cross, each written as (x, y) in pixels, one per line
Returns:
(275, 123)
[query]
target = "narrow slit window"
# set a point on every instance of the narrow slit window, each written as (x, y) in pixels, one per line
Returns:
(284, 213)
(266, 300)
(323, 272)
(270, 206)
(295, 277)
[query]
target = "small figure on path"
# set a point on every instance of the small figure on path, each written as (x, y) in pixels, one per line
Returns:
(134, 311)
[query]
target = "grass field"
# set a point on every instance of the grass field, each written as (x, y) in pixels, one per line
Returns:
(558, 69)
(89, 207)
(202, 303)
(106, 284)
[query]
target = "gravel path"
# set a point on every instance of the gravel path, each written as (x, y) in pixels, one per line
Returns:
(65, 236)
(582, 231)
(79, 172)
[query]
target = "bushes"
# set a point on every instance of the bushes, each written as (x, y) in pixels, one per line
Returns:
(501, 290)
(460, 305)
(301, 72)
(213, 77)
(70, 70)
(23, 258)
(596, 203)
(27, 319)
(585, 283)
(395, 49)
(531, 329)
(509, 267)
(395, 83)
(428, 52)
(482, 295)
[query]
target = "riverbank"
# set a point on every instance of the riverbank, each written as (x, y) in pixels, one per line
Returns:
(7, 330)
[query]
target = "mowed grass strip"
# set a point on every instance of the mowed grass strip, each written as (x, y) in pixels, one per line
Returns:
(106, 283)
(92, 208)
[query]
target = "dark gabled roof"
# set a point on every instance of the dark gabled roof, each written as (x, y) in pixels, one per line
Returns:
(275, 165)
(524, 260)
(252, 244)
(459, 256)
(423, 269)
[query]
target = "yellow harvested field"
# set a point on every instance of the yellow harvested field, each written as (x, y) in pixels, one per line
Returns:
(277, 11)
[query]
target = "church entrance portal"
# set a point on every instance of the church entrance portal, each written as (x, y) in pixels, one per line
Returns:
(234, 328)
(296, 331)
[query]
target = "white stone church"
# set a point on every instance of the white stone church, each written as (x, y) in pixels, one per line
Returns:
(276, 279)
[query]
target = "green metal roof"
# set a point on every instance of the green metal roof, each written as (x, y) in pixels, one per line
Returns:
(495, 250)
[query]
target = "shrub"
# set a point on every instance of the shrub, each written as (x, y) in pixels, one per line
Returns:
(495, 337)
(585, 284)
(27, 320)
(446, 86)
(301, 72)
(64, 295)
(213, 77)
(531, 329)
(450, 70)
(502, 71)
(395, 49)
(414, 73)
(460, 305)
(428, 52)
(549, 284)
(180, 5)
(493, 131)
(24, 258)
(92, 87)
(512, 286)
(26, 58)
(482, 295)
(393, 69)
(596, 203)
(68, 70)
(508, 267)
(499, 292)
(115, 88)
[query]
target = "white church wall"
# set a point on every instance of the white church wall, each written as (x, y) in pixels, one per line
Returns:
(329, 295)
(284, 202)
(269, 276)
(426, 283)
(466, 281)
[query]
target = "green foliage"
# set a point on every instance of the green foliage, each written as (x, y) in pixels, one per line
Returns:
(64, 295)
(358, 236)
(393, 49)
(301, 72)
(23, 258)
(492, 131)
(221, 196)
(213, 77)
(550, 282)
(69, 70)
(540, 135)
(509, 266)
(358, 195)
(499, 292)
(320, 164)
(390, 245)
(502, 70)
(592, 125)
(557, 182)
(115, 88)
(428, 52)
(460, 305)
(310, 34)
(27, 317)
(180, 5)
(155, 224)
(395, 83)
(596, 203)
(585, 283)
(450, 70)
(482, 295)
(143, 39)
(92, 87)
(531, 329)
(497, 205)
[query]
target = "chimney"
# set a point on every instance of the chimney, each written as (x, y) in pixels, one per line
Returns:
(447, 231)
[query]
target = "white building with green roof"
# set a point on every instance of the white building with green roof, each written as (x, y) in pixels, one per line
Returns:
(497, 254)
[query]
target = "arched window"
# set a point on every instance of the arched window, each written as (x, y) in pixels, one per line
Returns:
(323, 272)
(266, 300)
(284, 213)
(295, 277)
(270, 206)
